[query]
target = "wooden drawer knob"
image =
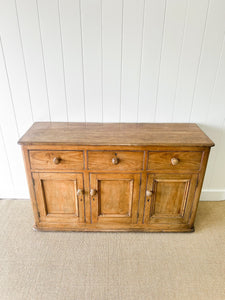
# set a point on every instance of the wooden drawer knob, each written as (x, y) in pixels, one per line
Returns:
(174, 161)
(115, 160)
(80, 192)
(93, 192)
(56, 160)
(149, 193)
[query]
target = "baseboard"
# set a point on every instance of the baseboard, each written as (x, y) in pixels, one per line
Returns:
(212, 195)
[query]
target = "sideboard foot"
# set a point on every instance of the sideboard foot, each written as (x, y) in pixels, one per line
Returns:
(35, 228)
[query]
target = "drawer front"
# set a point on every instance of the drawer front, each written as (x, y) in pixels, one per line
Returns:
(175, 160)
(115, 160)
(56, 160)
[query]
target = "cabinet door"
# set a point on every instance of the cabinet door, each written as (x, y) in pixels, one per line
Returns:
(58, 198)
(114, 198)
(169, 198)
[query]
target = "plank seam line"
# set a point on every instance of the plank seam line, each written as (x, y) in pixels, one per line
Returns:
(160, 61)
(63, 62)
(121, 61)
(43, 60)
(24, 62)
(141, 58)
(82, 59)
(199, 59)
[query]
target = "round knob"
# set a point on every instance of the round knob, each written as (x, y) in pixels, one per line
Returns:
(80, 192)
(56, 160)
(174, 161)
(148, 193)
(93, 192)
(115, 160)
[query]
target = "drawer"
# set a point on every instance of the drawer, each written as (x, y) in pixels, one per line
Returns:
(56, 160)
(115, 160)
(181, 160)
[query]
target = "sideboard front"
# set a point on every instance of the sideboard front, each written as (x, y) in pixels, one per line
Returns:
(104, 185)
(114, 189)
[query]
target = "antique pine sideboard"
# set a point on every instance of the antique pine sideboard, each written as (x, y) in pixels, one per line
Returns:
(115, 177)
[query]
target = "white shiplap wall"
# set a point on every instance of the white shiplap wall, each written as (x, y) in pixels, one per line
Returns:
(111, 61)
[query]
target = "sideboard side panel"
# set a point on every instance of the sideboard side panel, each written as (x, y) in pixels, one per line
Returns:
(30, 184)
(199, 188)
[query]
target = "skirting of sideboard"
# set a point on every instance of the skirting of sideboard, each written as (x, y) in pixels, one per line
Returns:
(108, 229)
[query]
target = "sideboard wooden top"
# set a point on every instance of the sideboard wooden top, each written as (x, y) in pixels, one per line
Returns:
(127, 134)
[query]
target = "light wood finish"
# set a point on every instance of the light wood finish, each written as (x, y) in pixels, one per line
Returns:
(115, 199)
(171, 197)
(130, 134)
(143, 186)
(59, 160)
(57, 196)
(30, 185)
(175, 160)
(115, 160)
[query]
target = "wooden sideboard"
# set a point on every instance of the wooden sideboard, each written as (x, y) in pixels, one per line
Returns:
(115, 177)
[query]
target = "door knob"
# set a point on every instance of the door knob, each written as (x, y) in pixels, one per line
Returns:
(93, 192)
(149, 193)
(80, 192)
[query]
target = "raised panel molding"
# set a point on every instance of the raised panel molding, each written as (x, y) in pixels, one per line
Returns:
(105, 188)
(177, 209)
(57, 197)
(116, 199)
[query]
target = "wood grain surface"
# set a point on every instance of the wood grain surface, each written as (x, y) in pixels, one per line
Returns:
(115, 187)
(179, 134)
(187, 160)
(66, 160)
(127, 160)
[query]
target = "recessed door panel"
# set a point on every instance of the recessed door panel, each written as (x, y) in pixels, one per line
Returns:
(116, 197)
(169, 198)
(64, 191)
(58, 198)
